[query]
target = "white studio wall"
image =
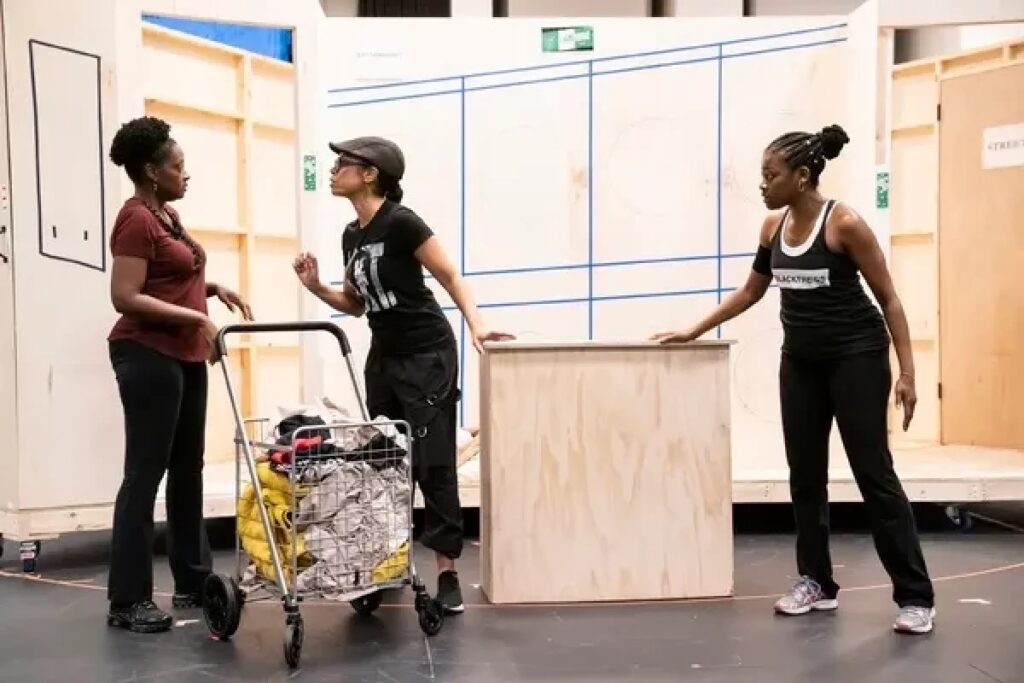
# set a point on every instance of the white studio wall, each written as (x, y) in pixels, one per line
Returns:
(598, 195)
(70, 84)
(62, 99)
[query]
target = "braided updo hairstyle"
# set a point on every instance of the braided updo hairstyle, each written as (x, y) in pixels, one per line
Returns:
(147, 140)
(810, 149)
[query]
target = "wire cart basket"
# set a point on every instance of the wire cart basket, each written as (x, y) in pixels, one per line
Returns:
(323, 512)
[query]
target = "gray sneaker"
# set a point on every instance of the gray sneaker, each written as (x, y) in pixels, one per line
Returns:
(805, 596)
(915, 620)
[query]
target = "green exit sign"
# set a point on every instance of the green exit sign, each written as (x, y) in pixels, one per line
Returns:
(568, 39)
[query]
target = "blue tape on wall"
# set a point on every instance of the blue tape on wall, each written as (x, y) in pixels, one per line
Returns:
(275, 43)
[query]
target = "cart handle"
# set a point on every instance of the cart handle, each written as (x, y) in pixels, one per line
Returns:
(298, 326)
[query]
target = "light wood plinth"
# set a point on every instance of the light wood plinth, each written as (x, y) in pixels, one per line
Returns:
(605, 472)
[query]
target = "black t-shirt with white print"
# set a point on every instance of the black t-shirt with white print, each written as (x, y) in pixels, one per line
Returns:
(403, 314)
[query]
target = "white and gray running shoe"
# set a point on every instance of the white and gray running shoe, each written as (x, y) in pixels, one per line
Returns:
(915, 620)
(805, 596)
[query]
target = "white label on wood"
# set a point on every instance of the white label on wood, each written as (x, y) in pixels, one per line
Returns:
(1003, 146)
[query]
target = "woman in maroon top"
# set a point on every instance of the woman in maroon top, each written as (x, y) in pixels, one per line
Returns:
(159, 349)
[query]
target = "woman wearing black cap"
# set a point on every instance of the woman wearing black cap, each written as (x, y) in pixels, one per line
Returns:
(412, 367)
(835, 363)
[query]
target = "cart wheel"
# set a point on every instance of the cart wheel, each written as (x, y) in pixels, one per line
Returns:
(221, 607)
(29, 551)
(432, 618)
(293, 633)
(960, 518)
(239, 595)
(367, 604)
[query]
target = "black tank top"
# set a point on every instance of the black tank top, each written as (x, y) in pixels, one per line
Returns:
(825, 311)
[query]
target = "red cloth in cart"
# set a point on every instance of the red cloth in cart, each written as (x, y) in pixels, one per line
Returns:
(301, 446)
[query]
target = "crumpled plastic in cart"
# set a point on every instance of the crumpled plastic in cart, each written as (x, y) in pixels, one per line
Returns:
(356, 521)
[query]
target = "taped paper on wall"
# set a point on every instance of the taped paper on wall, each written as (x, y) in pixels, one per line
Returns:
(1002, 146)
(379, 63)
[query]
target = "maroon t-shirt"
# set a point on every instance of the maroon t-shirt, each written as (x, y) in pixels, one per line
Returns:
(172, 275)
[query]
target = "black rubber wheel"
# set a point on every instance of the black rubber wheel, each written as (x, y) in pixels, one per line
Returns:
(222, 609)
(432, 618)
(239, 595)
(960, 518)
(367, 604)
(294, 631)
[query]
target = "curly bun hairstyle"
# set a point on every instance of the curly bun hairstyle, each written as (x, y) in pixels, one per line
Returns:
(139, 142)
(811, 149)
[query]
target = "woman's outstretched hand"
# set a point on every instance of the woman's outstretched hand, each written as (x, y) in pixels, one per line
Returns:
(679, 337)
(480, 337)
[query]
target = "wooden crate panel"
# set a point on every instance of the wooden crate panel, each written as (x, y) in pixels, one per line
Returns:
(214, 80)
(277, 381)
(274, 196)
(275, 289)
(915, 186)
(914, 98)
(273, 95)
(916, 280)
(211, 145)
(220, 425)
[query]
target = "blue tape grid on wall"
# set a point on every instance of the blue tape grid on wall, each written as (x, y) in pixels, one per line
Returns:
(589, 69)
(268, 41)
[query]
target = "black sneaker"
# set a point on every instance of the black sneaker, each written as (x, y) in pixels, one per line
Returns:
(448, 592)
(142, 617)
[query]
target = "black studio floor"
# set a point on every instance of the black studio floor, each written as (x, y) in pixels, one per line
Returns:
(52, 626)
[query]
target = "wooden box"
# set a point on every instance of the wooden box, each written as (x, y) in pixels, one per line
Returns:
(605, 472)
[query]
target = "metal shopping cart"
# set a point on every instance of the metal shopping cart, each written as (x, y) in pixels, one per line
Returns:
(323, 511)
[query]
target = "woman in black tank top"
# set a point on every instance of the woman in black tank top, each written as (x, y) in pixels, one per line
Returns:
(835, 365)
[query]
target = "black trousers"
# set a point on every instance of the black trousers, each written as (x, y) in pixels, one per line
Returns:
(423, 390)
(855, 391)
(165, 423)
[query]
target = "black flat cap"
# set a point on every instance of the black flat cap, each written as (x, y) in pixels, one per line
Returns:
(379, 152)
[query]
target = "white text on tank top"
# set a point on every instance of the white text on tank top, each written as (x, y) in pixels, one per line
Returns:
(801, 278)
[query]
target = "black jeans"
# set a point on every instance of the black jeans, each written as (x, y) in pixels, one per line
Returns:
(422, 389)
(855, 391)
(165, 423)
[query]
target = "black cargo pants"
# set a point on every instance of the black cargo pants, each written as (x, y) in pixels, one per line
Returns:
(422, 389)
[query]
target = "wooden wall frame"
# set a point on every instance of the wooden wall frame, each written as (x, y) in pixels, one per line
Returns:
(244, 102)
(915, 221)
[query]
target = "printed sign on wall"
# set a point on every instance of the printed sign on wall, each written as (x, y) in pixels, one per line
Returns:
(567, 39)
(1002, 146)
